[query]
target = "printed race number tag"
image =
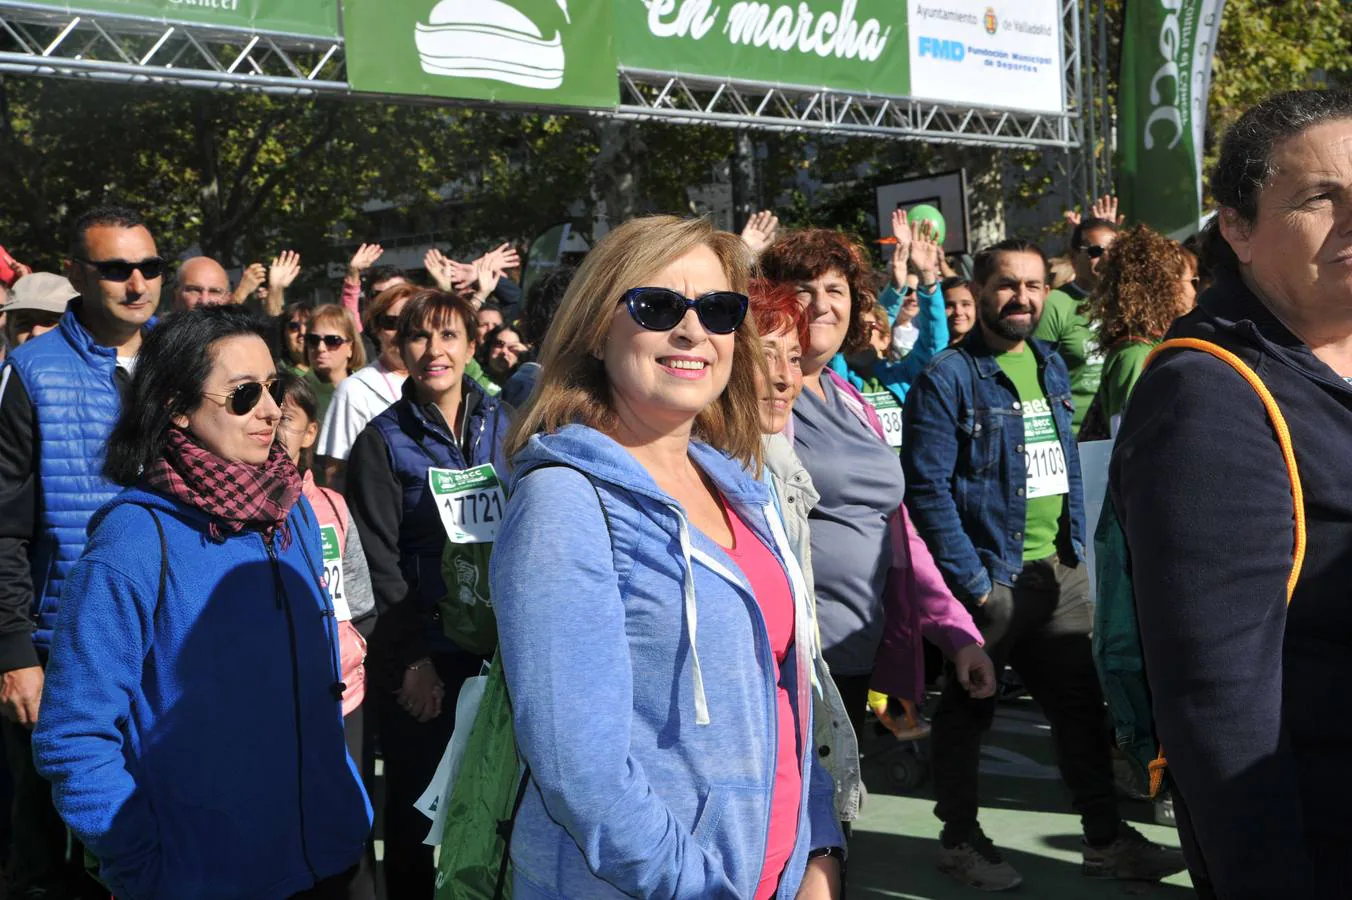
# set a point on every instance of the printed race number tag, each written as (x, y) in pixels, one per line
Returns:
(470, 502)
(1044, 458)
(889, 412)
(333, 572)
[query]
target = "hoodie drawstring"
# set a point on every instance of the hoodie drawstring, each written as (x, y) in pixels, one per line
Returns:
(691, 624)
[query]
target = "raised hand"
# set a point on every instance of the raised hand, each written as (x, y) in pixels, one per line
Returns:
(926, 253)
(485, 280)
(440, 268)
(283, 270)
(502, 258)
(760, 231)
(1105, 208)
(254, 276)
(363, 259)
(901, 250)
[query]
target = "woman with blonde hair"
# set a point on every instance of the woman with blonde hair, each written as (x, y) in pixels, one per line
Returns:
(1146, 282)
(655, 632)
(333, 351)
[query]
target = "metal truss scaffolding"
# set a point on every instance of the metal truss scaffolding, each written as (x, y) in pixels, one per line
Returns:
(40, 40)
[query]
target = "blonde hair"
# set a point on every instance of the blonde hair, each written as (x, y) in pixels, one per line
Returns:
(573, 385)
(333, 314)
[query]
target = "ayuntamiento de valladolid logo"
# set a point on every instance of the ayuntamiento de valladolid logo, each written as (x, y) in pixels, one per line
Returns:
(490, 39)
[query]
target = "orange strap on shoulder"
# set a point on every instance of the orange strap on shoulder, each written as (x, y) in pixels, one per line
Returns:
(1292, 470)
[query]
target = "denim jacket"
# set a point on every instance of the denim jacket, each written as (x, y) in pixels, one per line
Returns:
(964, 464)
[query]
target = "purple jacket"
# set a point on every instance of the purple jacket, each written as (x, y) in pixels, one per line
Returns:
(916, 602)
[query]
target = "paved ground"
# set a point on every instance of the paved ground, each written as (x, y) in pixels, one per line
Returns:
(1025, 810)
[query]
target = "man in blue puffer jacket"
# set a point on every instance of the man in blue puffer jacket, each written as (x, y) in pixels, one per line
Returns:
(59, 397)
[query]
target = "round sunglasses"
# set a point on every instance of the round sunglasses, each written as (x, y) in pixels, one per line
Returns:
(331, 341)
(245, 396)
(662, 309)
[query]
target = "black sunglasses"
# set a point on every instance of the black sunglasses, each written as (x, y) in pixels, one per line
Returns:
(332, 341)
(119, 270)
(245, 397)
(387, 322)
(1094, 251)
(662, 309)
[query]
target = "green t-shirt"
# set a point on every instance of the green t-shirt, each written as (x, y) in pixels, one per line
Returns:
(1120, 371)
(1075, 338)
(1046, 484)
(323, 395)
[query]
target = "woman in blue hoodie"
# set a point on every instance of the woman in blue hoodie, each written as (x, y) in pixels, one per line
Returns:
(191, 723)
(656, 634)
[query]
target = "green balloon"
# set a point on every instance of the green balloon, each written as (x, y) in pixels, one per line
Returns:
(923, 212)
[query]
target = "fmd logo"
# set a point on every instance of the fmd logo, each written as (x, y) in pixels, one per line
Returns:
(953, 51)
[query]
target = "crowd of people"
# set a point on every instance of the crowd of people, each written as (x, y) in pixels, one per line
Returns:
(704, 499)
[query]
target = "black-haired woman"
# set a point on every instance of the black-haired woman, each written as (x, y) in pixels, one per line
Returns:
(444, 421)
(191, 724)
(1250, 694)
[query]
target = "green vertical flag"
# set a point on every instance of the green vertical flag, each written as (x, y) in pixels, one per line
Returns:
(1167, 47)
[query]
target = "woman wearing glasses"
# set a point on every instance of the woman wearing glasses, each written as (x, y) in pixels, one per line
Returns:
(1146, 283)
(370, 391)
(333, 350)
(192, 726)
(655, 633)
(443, 421)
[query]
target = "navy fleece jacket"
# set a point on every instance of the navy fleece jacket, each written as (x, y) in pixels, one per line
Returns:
(195, 744)
(1251, 699)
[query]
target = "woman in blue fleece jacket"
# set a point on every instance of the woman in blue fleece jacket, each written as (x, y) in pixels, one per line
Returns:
(191, 725)
(655, 632)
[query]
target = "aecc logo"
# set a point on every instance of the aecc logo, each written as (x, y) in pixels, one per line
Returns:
(953, 51)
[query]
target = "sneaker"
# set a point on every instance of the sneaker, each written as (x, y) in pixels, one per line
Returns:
(1164, 810)
(976, 863)
(1131, 857)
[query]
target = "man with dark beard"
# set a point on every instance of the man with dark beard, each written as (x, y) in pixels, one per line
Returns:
(993, 485)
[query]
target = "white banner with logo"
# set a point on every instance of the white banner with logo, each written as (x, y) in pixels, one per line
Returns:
(1005, 55)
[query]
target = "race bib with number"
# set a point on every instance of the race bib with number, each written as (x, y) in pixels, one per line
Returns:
(889, 412)
(333, 572)
(470, 502)
(1043, 456)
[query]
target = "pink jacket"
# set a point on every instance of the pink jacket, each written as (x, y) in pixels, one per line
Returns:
(916, 602)
(331, 509)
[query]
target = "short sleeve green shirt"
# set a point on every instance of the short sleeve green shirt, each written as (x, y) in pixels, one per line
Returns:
(1046, 485)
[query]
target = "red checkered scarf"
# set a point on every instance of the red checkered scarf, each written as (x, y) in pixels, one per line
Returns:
(236, 496)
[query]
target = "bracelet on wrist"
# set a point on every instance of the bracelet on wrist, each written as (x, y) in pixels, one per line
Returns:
(823, 852)
(418, 664)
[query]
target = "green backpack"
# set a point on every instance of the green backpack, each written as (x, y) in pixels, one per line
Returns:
(491, 783)
(1117, 635)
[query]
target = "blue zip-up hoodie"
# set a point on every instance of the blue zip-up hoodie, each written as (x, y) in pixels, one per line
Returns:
(195, 744)
(898, 375)
(642, 682)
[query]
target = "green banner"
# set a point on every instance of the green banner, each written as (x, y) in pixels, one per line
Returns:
(1166, 74)
(313, 18)
(542, 52)
(851, 45)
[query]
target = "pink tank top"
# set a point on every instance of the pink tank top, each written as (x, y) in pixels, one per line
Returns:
(775, 598)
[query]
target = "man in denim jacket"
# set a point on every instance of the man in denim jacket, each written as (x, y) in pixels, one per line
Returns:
(993, 484)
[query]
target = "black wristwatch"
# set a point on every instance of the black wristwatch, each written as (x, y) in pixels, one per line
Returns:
(837, 852)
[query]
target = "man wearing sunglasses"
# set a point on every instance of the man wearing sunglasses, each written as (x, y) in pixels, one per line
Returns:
(201, 281)
(60, 395)
(1064, 324)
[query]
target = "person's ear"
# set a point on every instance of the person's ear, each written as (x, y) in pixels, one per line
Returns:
(311, 435)
(1237, 233)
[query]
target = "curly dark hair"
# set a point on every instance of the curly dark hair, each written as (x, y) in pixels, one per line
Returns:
(1137, 292)
(810, 253)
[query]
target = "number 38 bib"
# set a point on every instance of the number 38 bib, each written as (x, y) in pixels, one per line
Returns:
(1043, 457)
(470, 502)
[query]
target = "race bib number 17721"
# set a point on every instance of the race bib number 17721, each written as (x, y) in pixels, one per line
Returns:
(470, 502)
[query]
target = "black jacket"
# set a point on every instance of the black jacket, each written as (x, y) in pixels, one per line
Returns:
(1252, 701)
